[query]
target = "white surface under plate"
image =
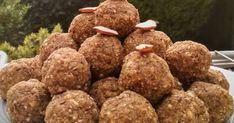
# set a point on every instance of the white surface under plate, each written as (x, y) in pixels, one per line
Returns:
(229, 75)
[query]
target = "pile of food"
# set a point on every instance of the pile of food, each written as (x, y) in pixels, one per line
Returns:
(110, 68)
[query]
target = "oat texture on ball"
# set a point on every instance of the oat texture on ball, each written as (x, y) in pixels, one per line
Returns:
(128, 107)
(217, 99)
(19, 70)
(72, 107)
(146, 74)
(82, 25)
(103, 52)
(118, 15)
(104, 89)
(159, 39)
(55, 41)
(27, 102)
(182, 107)
(216, 77)
(188, 60)
(66, 69)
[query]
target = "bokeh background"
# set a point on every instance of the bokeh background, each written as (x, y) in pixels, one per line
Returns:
(24, 24)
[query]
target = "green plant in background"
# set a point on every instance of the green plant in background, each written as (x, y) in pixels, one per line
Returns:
(47, 13)
(11, 16)
(21, 17)
(180, 19)
(8, 48)
(30, 46)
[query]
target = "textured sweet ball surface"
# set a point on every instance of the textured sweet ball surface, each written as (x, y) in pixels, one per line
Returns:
(146, 74)
(66, 69)
(216, 77)
(17, 71)
(27, 102)
(81, 27)
(158, 39)
(188, 60)
(128, 107)
(103, 53)
(118, 15)
(72, 107)
(217, 99)
(105, 89)
(55, 41)
(182, 107)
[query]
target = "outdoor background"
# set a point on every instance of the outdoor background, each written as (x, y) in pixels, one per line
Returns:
(24, 24)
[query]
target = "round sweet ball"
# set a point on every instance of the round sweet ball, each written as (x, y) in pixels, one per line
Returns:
(55, 41)
(217, 99)
(17, 71)
(216, 77)
(66, 69)
(27, 102)
(159, 39)
(188, 60)
(73, 106)
(105, 89)
(127, 107)
(81, 27)
(182, 107)
(118, 15)
(146, 74)
(104, 53)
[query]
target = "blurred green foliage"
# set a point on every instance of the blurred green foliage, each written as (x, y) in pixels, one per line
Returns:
(30, 46)
(47, 13)
(180, 19)
(218, 32)
(11, 16)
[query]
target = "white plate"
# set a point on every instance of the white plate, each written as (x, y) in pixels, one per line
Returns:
(229, 75)
(3, 114)
(3, 59)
